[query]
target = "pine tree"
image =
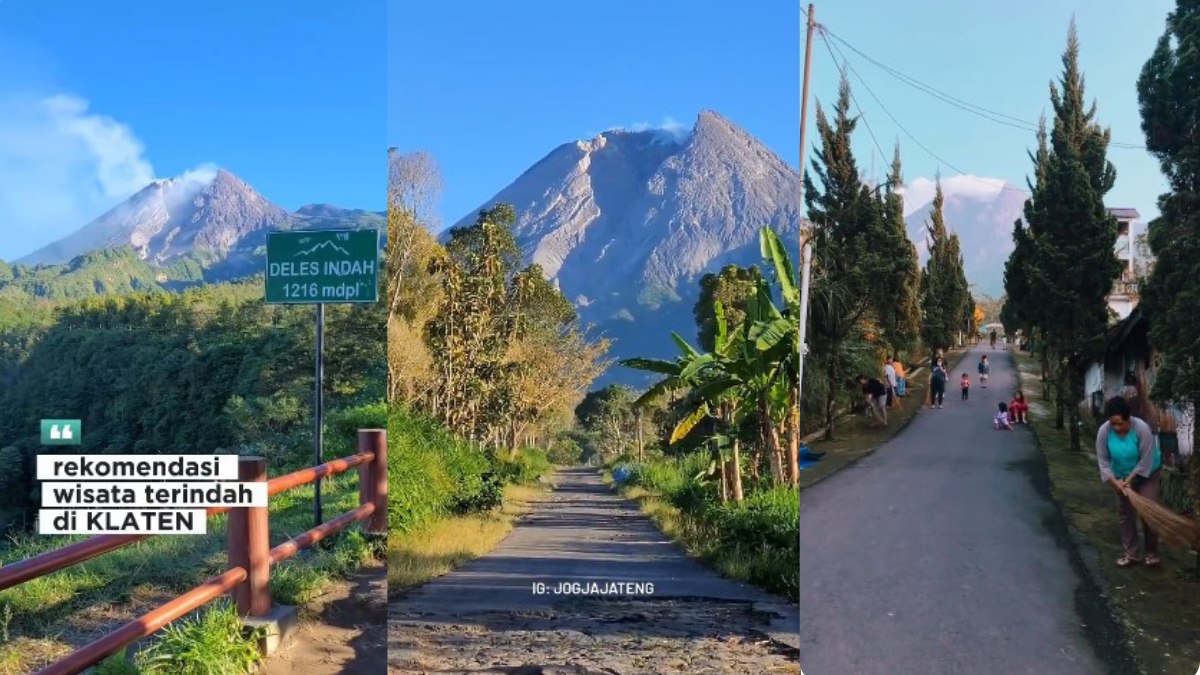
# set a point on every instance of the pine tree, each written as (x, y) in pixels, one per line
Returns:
(1170, 107)
(1075, 264)
(937, 280)
(848, 249)
(899, 299)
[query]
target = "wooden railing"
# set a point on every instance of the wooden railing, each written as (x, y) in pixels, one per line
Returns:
(248, 578)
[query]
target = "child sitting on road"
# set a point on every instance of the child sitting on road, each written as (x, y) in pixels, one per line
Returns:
(965, 383)
(1000, 421)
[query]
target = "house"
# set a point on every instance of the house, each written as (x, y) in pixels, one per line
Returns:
(1130, 360)
(1123, 298)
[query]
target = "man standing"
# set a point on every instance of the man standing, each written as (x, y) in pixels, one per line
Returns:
(875, 393)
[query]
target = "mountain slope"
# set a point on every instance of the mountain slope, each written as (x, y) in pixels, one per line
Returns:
(172, 218)
(984, 224)
(626, 223)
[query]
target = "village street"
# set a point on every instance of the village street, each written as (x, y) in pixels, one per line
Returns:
(941, 553)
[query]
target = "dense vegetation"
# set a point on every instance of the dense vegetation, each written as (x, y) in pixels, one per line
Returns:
(1063, 266)
(486, 360)
(1170, 107)
(205, 370)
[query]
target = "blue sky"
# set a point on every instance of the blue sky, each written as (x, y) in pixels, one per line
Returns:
(490, 88)
(287, 94)
(1001, 56)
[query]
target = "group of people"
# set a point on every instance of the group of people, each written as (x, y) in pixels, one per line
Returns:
(1016, 411)
(884, 393)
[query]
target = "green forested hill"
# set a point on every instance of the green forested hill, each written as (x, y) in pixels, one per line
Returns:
(206, 369)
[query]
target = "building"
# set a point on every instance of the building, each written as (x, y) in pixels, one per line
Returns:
(1128, 369)
(1124, 296)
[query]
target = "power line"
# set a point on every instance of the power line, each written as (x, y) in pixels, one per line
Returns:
(914, 139)
(862, 115)
(986, 113)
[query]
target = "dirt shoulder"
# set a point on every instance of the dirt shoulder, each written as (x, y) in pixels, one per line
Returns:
(854, 437)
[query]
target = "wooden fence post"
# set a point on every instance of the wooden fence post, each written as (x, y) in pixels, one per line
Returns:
(372, 477)
(250, 545)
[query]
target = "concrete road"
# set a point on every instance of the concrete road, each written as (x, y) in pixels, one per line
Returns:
(584, 534)
(942, 553)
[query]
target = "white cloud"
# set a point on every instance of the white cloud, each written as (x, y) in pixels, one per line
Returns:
(62, 165)
(920, 191)
(669, 129)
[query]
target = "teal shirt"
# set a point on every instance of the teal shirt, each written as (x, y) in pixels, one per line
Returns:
(1125, 455)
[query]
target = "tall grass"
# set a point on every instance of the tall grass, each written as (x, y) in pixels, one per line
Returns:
(756, 541)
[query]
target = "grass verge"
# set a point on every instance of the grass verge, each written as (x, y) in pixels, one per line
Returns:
(436, 548)
(755, 542)
(51, 616)
(855, 439)
(1159, 607)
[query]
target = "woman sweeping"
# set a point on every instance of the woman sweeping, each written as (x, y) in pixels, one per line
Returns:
(1129, 458)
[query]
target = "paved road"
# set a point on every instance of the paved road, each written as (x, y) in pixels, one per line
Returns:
(942, 553)
(485, 617)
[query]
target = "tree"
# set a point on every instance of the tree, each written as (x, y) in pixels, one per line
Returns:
(847, 245)
(944, 292)
(1075, 264)
(732, 286)
(1170, 107)
(898, 298)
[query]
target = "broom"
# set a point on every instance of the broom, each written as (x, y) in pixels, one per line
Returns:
(1171, 527)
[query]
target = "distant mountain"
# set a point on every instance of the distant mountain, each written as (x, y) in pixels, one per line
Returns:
(172, 232)
(626, 223)
(983, 221)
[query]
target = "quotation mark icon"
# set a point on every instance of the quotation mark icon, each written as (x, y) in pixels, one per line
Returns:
(61, 432)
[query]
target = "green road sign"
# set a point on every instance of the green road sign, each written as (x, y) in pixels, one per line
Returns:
(322, 266)
(62, 432)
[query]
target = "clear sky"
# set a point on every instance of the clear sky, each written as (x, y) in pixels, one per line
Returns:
(95, 97)
(999, 55)
(490, 88)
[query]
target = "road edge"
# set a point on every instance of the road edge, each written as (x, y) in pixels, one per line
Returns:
(871, 451)
(1082, 555)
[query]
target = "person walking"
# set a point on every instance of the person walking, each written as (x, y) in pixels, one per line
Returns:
(937, 383)
(965, 383)
(1129, 459)
(985, 369)
(993, 338)
(875, 393)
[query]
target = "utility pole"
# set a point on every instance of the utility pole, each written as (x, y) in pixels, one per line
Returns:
(805, 246)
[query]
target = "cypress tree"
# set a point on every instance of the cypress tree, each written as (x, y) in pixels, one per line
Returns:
(848, 249)
(1075, 264)
(937, 280)
(1170, 106)
(899, 300)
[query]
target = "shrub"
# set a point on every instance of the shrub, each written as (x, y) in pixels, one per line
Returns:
(431, 473)
(525, 467)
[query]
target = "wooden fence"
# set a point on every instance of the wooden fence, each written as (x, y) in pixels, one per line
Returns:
(248, 578)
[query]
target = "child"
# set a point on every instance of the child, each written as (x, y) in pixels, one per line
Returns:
(984, 369)
(1018, 409)
(1000, 421)
(965, 383)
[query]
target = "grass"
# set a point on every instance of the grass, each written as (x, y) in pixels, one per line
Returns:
(754, 542)
(1159, 607)
(855, 438)
(54, 614)
(436, 548)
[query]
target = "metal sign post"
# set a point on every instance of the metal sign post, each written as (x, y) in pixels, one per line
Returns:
(315, 267)
(319, 416)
